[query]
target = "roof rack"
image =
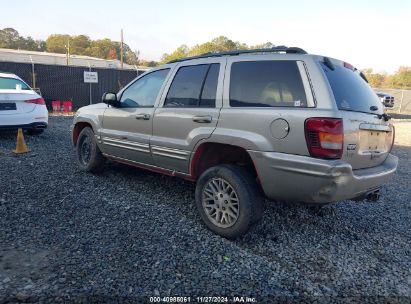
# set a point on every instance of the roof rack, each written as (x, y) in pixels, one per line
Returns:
(276, 49)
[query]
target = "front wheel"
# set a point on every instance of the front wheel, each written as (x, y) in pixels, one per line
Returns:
(228, 200)
(89, 156)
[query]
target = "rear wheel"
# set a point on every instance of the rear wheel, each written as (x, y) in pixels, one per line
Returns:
(89, 156)
(228, 200)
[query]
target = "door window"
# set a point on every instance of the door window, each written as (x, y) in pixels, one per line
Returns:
(266, 84)
(194, 86)
(144, 92)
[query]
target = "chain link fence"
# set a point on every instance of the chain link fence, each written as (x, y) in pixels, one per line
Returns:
(58, 82)
(402, 100)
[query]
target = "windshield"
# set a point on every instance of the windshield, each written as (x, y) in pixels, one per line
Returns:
(351, 92)
(10, 84)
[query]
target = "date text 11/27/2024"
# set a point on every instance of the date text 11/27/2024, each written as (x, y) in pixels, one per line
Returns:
(235, 299)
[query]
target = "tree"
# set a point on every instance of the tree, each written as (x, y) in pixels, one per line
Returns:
(58, 43)
(266, 45)
(80, 44)
(218, 44)
(148, 63)
(9, 38)
(100, 48)
(112, 54)
(180, 52)
(375, 80)
(402, 78)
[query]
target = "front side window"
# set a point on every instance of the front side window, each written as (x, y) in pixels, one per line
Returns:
(12, 83)
(194, 86)
(144, 92)
(266, 84)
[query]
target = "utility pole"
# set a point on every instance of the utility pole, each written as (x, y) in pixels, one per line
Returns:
(33, 75)
(89, 68)
(68, 51)
(121, 49)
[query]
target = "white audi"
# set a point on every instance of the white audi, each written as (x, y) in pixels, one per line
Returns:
(21, 106)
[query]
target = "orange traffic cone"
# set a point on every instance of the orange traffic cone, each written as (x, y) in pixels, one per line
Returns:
(21, 144)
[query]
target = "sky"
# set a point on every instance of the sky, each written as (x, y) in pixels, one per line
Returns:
(367, 34)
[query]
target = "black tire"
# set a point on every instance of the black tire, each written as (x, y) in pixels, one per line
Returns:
(35, 131)
(89, 157)
(248, 197)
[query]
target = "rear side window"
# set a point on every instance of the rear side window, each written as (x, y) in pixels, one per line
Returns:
(266, 84)
(194, 86)
(351, 92)
(10, 84)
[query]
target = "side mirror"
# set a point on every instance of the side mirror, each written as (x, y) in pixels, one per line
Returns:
(110, 99)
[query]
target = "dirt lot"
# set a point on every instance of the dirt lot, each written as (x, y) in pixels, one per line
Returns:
(127, 235)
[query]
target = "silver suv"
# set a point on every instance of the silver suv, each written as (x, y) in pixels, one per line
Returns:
(244, 125)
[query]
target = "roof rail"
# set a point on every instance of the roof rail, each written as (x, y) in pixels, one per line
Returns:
(276, 49)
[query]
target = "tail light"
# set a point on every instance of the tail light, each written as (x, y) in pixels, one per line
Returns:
(390, 139)
(37, 101)
(325, 137)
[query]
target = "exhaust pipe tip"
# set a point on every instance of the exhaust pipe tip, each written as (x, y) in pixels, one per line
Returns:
(40, 127)
(373, 196)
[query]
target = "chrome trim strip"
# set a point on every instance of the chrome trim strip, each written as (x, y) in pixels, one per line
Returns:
(127, 147)
(374, 127)
(125, 144)
(306, 84)
(172, 153)
(168, 150)
(146, 165)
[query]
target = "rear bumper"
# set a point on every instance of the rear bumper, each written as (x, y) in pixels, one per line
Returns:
(306, 179)
(36, 119)
(34, 125)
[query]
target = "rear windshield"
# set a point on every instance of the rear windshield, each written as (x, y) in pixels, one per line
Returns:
(10, 84)
(351, 92)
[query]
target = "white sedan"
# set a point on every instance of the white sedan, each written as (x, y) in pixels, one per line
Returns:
(20, 106)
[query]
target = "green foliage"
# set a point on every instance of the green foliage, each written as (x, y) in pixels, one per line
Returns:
(79, 45)
(399, 80)
(10, 39)
(219, 44)
(57, 43)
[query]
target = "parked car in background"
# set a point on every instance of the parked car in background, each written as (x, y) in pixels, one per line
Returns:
(21, 106)
(244, 125)
(386, 99)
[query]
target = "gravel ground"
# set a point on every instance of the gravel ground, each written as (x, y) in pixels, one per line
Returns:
(128, 234)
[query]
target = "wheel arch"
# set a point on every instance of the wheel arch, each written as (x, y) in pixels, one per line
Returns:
(209, 154)
(77, 128)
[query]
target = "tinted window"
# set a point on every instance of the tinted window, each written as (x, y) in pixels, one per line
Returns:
(351, 92)
(194, 86)
(266, 84)
(210, 87)
(10, 84)
(144, 92)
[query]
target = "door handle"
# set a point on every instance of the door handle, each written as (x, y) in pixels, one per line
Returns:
(203, 119)
(143, 116)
